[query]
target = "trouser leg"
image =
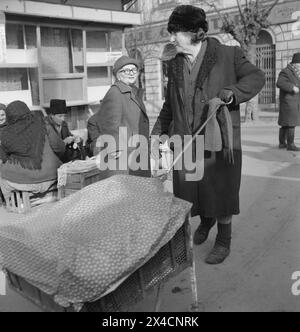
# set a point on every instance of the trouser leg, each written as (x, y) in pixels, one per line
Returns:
(283, 137)
(291, 140)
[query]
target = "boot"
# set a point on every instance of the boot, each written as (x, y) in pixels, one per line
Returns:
(291, 139)
(203, 230)
(222, 245)
(282, 138)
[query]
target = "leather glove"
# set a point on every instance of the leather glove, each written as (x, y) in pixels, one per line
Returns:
(226, 96)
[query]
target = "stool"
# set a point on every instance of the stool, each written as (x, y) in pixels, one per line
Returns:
(19, 202)
(23, 201)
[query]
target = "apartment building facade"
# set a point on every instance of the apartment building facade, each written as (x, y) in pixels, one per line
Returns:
(275, 45)
(61, 49)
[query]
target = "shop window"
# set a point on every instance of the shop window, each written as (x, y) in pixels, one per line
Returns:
(98, 76)
(13, 79)
(56, 55)
(96, 41)
(17, 35)
(30, 35)
(99, 82)
(116, 41)
(77, 50)
(14, 36)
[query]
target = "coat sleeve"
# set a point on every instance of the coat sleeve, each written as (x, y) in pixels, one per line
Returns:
(65, 132)
(250, 79)
(3, 154)
(284, 83)
(165, 117)
(109, 117)
(93, 131)
(56, 143)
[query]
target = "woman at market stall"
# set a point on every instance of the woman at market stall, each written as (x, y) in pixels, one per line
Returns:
(2, 118)
(30, 151)
(122, 116)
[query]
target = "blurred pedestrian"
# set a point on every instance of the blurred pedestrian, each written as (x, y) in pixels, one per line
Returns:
(289, 112)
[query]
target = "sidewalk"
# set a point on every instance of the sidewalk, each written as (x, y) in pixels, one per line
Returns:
(265, 247)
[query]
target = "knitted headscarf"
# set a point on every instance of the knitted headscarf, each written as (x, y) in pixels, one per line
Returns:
(23, 139)
(2, 108)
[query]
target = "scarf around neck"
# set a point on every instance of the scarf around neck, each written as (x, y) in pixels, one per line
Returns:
(219, 130)
(23, 139)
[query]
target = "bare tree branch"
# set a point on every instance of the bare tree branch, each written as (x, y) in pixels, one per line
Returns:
(271, 7)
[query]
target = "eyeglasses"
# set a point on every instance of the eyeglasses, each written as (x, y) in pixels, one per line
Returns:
(129, 71)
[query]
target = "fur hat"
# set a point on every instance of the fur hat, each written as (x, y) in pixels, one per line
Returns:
(186, 18)
(296, 58)
(2, 107)
(124, 61)
(57, 106)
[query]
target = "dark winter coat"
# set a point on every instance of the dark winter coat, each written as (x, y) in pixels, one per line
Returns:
(217, 194)
(121, 107)
(54, 149)
(289, 112)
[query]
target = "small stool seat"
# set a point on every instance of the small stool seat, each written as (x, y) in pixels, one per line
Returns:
(24, 201)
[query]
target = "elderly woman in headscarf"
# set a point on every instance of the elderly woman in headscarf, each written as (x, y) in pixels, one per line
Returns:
(30, 151)
(122, 109)
(2, 119)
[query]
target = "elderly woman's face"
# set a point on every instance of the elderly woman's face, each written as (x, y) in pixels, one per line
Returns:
(128, 74)
(2, 117)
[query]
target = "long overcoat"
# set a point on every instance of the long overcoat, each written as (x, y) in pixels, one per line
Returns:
(121, 107)
(289, 112)
(217, 194)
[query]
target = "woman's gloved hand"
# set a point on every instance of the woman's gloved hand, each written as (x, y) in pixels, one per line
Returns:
(226, 95)
(69, 140)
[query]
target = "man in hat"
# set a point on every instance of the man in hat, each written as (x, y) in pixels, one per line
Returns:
(289, 113)
(56, 118)
(202, 70)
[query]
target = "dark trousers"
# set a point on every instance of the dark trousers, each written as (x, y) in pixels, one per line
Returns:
(287, 136)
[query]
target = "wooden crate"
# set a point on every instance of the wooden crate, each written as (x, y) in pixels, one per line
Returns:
(78, 181)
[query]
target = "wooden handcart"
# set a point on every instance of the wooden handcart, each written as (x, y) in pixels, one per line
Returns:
(172, 259)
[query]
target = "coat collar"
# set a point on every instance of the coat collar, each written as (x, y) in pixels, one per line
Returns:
(209, 61)
(124, 88)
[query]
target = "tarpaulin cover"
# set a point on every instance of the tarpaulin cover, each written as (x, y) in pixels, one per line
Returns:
(78, 248)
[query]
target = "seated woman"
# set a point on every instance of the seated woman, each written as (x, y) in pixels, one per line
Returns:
(2, 119)
(30, 151)
(56, 118)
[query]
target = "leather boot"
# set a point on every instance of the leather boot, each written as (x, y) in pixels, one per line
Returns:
(201, 234)
(291, 140)
(282, 138)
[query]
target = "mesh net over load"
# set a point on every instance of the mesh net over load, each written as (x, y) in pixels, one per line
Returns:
(79, 248)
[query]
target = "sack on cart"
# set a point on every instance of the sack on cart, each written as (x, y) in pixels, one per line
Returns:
(79, 248)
